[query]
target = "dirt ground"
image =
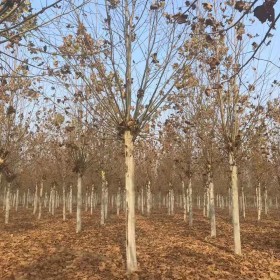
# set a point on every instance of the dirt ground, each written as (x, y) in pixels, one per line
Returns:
(166, 248)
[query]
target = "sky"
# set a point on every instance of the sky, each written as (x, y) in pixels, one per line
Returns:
(267, 53)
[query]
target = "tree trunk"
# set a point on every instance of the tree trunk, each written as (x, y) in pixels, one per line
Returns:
(149, 199)
(71, 200)
(102, 208)
(265, 202)
(53, 200)
(17, 199)
(27, 198)
(79, 204)
(212, 208)
(118, 201)
(235, 206)
(131, 260)
(63, 202)
(106, 201)
(7, 202)
(259, 201)
(169, 202)
(35, 200)
(50, 201)
(184, 201)
(40, 200)
(190, 202)
(91, 200)
(172, 201)
(207, 202)
(204, 202)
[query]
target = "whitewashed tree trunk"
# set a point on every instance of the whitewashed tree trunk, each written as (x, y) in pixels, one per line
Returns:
(7, 203)
(91, 200)
(207, 202)
(71, 200)
(35, 203)
(259, 201)
(79, 204)
(57, 199)
(86, 201)
(102, 208)
(190, 203)
(4, 197)
(235, 206)
(53, 201)
(212, 208)
(142, 201)
(50, 201)
(24, 199)
(172, 202)
(188, 200)
(63, 202)
(184, 201)
(14, 199)
(40, 200)
(17, 199)
(149, 198)
(265, 202)
(106, 201)
(169, 202)
(46, 200)
(118, 201)
(131, 260)
(159, 200)
(27, 198)
(204, 202)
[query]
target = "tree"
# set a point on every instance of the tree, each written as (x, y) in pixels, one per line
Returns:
(129, 70)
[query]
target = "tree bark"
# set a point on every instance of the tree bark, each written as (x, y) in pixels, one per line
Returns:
(79, 204)
(184, 201)
(53, 200)
(235, 205)
(265, 202)
(149, 199)
(131, 260)
(118, 201)
(27, 198)
(71, 200)
(17, 199)
(259, 201)
(40, 200)
(35, 200)
(106, 201)
(91, 200)
(102, 208)
(7, 203)
(190, 202)
(212, 209)
(63, 202)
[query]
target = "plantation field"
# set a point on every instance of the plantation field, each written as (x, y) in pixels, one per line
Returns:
(166, 248)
